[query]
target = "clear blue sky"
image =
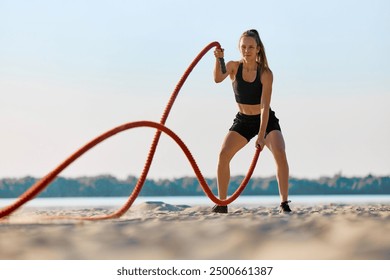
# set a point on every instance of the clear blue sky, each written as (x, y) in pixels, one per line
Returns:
(70, 70)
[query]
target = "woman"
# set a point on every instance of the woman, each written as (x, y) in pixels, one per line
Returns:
(252, 86)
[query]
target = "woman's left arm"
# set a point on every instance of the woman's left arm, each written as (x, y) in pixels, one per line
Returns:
(266, 80)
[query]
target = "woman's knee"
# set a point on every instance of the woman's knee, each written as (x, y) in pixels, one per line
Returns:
(279, 152)
(276, 144)
(280, 157)
(225, 155)
(232, 144)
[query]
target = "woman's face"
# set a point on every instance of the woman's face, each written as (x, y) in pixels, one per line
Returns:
(249, 48)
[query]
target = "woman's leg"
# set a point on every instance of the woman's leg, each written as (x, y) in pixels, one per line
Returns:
(231, 145)
(275, 143)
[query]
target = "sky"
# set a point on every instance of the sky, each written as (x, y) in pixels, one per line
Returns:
(71, 70)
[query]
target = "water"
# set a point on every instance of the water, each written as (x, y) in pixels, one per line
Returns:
(249, 201)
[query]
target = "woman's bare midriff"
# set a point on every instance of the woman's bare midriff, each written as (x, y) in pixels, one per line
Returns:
(247, 109)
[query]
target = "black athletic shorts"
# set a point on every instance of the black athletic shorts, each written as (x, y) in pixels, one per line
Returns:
(248, 125)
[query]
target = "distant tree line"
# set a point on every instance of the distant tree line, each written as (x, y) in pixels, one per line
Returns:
(106, 186)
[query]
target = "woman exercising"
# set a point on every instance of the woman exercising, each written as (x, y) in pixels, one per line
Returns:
(252, 86)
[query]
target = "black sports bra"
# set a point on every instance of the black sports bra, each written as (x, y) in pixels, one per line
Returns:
(245, 92)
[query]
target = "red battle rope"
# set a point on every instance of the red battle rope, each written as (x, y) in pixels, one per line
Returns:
(45, 181)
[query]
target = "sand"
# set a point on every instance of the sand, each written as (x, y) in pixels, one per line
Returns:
(156, 230)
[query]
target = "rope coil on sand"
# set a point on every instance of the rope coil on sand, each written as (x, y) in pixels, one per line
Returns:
(39, 186)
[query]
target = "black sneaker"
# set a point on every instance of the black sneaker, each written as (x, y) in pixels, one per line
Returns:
(284, 207)
(220, 209)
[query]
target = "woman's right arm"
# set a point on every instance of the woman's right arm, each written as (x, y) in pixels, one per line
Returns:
(218, 75)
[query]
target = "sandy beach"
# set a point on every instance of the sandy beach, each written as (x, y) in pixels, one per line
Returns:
(156, 230)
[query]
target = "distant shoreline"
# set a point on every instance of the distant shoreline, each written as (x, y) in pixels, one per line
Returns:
(110, 186)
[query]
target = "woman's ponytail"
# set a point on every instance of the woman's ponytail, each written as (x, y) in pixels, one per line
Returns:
(261, 56)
